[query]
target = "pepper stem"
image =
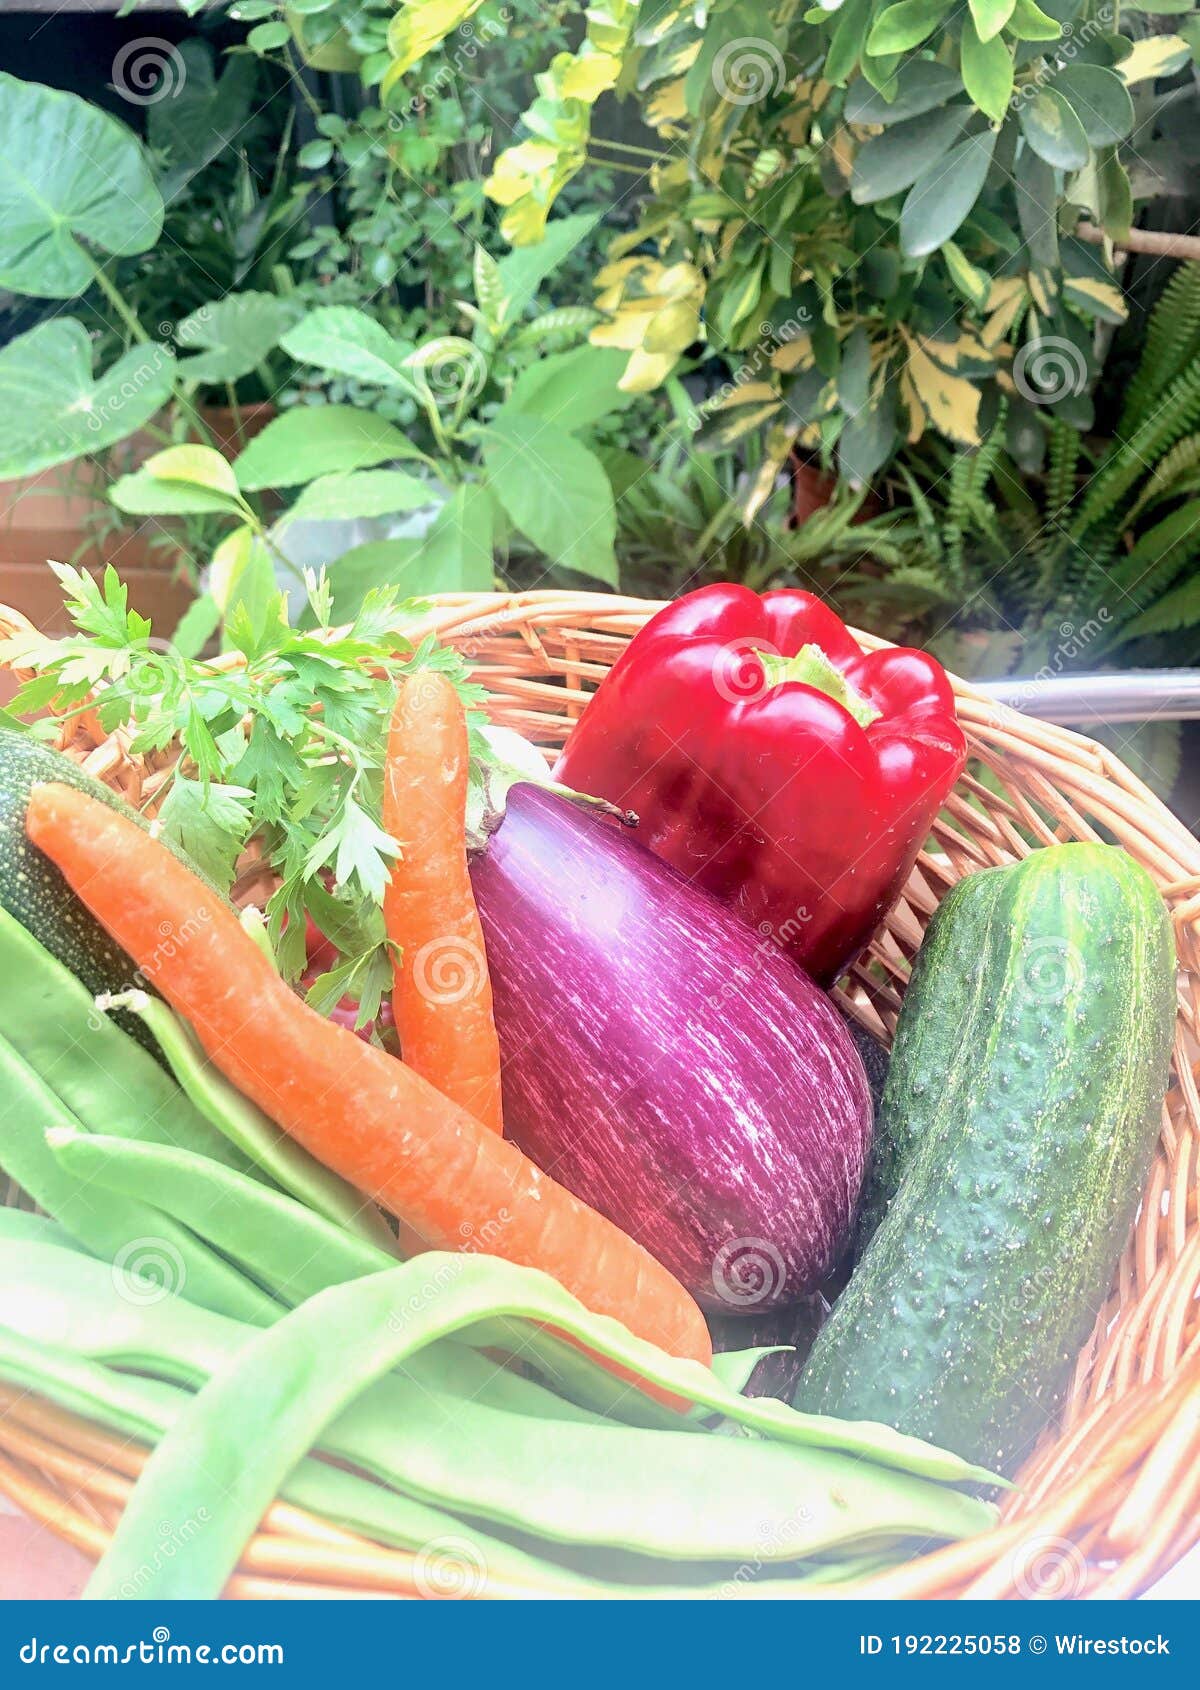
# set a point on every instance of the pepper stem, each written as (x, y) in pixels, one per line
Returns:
(811, 666)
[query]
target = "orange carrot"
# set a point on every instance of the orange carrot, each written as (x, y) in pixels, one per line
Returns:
(442, 1001)
(359, 1110)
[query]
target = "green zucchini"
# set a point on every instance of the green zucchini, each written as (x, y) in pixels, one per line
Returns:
(1017, 1129)
(33, 890)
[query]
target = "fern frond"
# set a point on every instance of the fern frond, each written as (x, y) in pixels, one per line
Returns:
(1180, 462)
(1172, 340)
(927, 523)
(1085, 573)
(1062, 462)
(958, 515)
(1150, 440)
(1152, 566)
(1180, 608)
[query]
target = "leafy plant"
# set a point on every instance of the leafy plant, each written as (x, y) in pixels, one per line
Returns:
(499, 451)
(83, 207)
(1090, 561)
(860, 204)
(681, 524)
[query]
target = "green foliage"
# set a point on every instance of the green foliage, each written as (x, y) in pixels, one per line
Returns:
(1094, 561)
(56, 149)
(500, 452)
(898, 171)
(52, 408)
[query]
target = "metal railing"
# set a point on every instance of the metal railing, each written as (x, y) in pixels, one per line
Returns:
(1139, 695)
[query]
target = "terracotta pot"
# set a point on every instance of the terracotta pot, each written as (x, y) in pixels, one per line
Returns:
(54, 515)
(232, 430)
(812, 490)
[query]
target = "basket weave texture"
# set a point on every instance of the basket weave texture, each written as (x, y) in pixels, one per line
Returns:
(1111, 1499)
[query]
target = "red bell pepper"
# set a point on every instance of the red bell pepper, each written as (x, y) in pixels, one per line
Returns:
(774, 762)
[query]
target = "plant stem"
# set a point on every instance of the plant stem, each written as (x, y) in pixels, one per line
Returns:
(628, 147)
(615, 164)
(131, 321)
(117, 300)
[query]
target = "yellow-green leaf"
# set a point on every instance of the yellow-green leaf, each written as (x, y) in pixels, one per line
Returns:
(990, 16)
(987, 70)
(1006, 299)
(950, 402)
(199, 466)
(419, 26)
(588, 76)
(749, 393)
(775, 453)
(647, 370)
(1157, 55)
(970, 281)
(1105, 297)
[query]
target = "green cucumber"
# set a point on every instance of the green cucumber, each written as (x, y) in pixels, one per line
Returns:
(1018, 1125)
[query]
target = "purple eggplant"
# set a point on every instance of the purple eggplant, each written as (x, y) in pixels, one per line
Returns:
(667, 1064)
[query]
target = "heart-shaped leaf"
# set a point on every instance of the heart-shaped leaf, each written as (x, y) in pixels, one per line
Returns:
(53, 410)
(69, 174)
(202, 117)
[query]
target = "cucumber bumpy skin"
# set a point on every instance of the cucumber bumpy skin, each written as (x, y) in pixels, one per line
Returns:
(1018, 1126)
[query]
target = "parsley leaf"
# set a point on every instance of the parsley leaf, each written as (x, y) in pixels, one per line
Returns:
(281, 740)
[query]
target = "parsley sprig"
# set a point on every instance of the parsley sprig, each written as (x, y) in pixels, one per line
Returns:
(286, 747)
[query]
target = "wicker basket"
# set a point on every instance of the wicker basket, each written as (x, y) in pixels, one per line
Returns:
(1111, 1499)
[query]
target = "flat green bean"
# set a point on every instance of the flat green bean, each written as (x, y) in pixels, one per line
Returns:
(282, 1243)
(272, 1402)
(253, 1133)
(297, 1253)
(105, 1078)
(136, 1237)
(75, 1305)
(145, 1409)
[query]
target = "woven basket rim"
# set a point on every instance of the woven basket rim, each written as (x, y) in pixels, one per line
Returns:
(1111, 1489)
